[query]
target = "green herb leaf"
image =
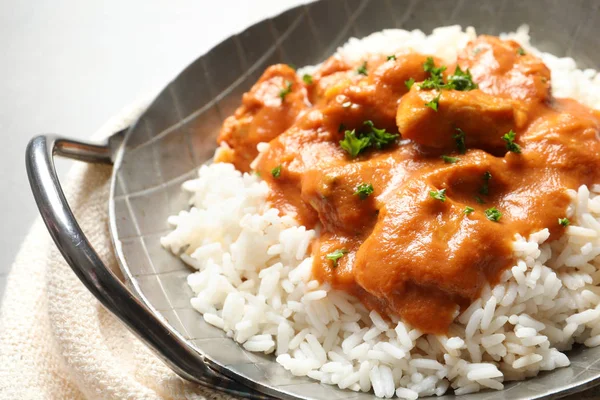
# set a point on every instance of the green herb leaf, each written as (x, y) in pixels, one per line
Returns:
(436, 79)
(336, 255)
(391, 58)
(292, 66)
(409, 83)
(276, 172)
(459, 139)
(486, 183)
(364, 190)
(379, 137)
(354, 145)
(468, 210)
(493, 214)
(509, 138)
(308, 79)
(461, 80)
(434, 103)
(433, 83)
(564, 222)
(438, 195)
(479, 200)
(285, 91)
(341, 128)
(362, 70)
(521, 51)
(450, 160)
(429, 66)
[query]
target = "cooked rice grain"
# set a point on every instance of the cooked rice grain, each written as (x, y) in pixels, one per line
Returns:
(254, 282)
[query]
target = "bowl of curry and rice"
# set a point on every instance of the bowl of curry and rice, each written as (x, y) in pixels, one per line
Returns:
(407, 212)
(407, 220)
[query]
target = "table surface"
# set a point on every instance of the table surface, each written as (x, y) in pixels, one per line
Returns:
(70, 65)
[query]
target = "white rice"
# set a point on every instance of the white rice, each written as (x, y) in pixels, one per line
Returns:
(254, 277)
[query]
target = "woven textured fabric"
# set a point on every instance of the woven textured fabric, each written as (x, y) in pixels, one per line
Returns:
(56, 340)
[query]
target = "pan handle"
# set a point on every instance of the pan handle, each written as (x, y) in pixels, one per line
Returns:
(99, 279)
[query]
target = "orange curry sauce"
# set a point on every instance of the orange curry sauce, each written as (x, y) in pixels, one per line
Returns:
(404, 251)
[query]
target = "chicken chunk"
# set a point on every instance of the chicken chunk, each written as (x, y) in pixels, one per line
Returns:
(484, 119)
(267, 110)
(502, 67)
(375, 94)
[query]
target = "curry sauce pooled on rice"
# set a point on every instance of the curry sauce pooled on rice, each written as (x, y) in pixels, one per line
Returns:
(417, 227)
(423, 208)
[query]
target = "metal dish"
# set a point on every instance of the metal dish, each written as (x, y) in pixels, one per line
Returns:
(177, 133)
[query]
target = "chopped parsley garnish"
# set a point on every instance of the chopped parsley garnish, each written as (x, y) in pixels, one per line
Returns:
(354, 142)
(450, 160)
(409, 83)
(336, 255)
(520, 51)
(486, 183)
(435, 80)
(460, 80)
(564, 222)
(479, 200)
(379, 137)
(364, 190)
(459, 139)
(276, 172)
(433, 83)
(362, 70)
(354, 145)
(434, 103)
(285, 91)
(509, 138)
(391, 58)
(468, 210)
(292, 66)
(476, 51)
(307, 78)
(493, 214)
(429, 66)
(438, 195)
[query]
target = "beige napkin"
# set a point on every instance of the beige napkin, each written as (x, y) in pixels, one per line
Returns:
(56, 340)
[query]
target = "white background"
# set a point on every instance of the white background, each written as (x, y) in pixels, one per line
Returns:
(66, 66)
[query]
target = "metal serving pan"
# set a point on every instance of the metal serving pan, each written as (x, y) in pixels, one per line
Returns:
(177, 133)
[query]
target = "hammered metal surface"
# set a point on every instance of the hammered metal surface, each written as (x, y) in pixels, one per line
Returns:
(177, 134)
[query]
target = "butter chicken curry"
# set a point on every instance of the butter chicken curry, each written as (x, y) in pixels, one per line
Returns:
(417, 172)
